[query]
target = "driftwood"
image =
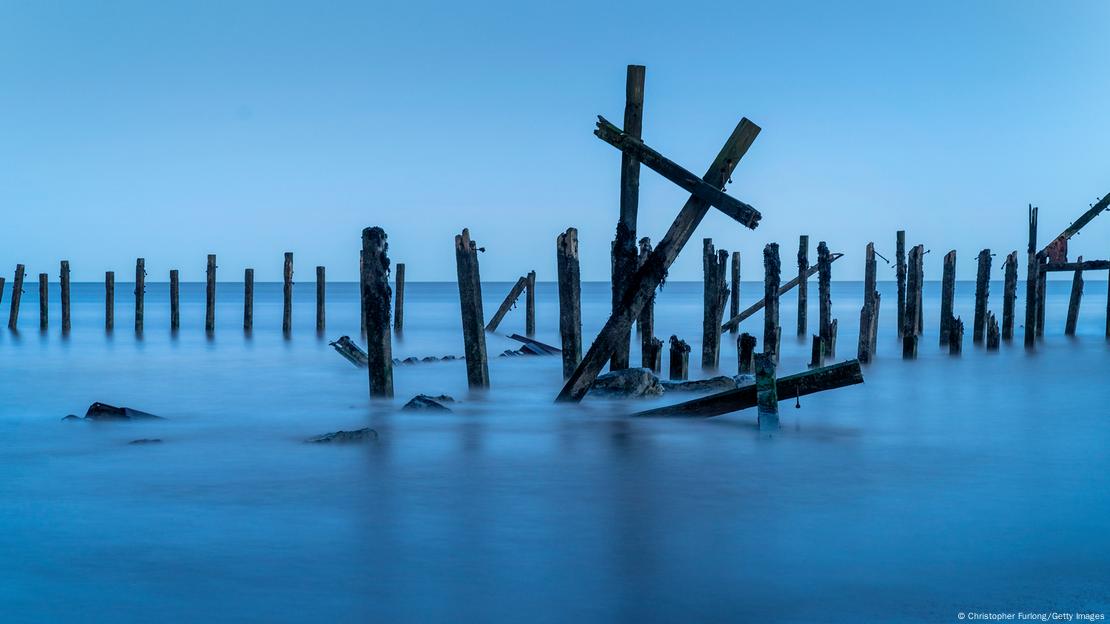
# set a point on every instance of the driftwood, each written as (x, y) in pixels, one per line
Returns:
(758, 305)
(348, 349)
(545, 348)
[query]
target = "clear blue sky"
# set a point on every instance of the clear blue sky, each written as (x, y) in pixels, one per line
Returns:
(249, 129)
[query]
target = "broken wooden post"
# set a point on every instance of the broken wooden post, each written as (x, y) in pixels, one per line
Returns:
(470, 302)
(876, 301)
(947, 295)
(1073, 301)
(869, 271)
(140, 293)
(766, 392)
(17, 295)
(530, 304)
(109, 300)
(679, 360)
(507, 304)
(1009, 295)
(175, 300)
(803, 285)
(900, 272)
(920, 268)
(43, 300)
(287, 294)
(745, 352)
(652, 356)
(817, 352)
(758, 305)
(210, 295)
(321, 297)
(63, 280)
(993, 335)
(771, 330)
(871, 303)
(375, 279)
(715, 292)
(910, 305)
(824, 294)
(866, 322)
(624, 252)
(955, 336)
(734, 292)
(645, 323)
(248, 299)
(982, 292)
(570, 299)
(1031, 278)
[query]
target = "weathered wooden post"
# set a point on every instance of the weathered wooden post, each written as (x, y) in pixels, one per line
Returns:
(900, 272)
(771, 278)
(766, 392)
(1073, 301)
(909, 319)
(956, 336)
(824, 294)
(715, 293)
(1009, 295)
(399, 298)
(210, 296)
(625, 256)
(1031, 278)
(375, 279)
(803, 286)
(982, 292)
(947, 295)
(287, 294)
(645, 323)
(993, 335)
(680, 359)
(175, 300)
(866, 322)
(63, 280)
(43, 300)
(361, 294)
(2, 280)
(140, 293)
(734, 293)
(17, 294)
(869, 271)
(876, 301)
(530, 304)
(652, 357)
(745, 352)
(1107, 304)
(470, 300)
(109, 300)
(871, 302)
(321, 296)
(817, 352)
(248, 298)
(1042, 288)
(570, 299)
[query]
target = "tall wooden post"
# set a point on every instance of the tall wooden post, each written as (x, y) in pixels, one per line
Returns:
(745, 352)
(734, 292)
(361, 293)
(570, 299)
(530, 305)
(470, 301)
(715, 293)
(1009, 295)
(900, 268)
(287, 295)
(17, 295)
(63, 280)
(1107, 306)
(109, 300)
(871, 294)
(321, 297)
(824, 294)
(1031, 278)
(2, 280)
(645, 323)
(680, 359)
(982, 292)
(1042, 288)
(140, 293)
(947, 295)
(210, 295)
(803, 286)
(771, 279)
(767, 399)
(43, 300)
(911, 307)
(399, 298)
(175, 300)
(625, 256)
(1073, 301)
(375, 278)
(248, 298)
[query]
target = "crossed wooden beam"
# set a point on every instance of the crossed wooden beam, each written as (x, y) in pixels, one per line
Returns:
(705, 191)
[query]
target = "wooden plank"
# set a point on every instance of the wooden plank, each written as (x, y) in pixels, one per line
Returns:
(376, 311)
(570, 299)
(470, 304)
(507, 304)
(1057, 248)
(1079, 265)
(624, 256)
(758, 305)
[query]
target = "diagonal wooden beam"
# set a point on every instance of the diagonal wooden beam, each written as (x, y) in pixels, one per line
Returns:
(758, 305)
(674, 172)
(651, 273)
(507, 304)
(1078, 224)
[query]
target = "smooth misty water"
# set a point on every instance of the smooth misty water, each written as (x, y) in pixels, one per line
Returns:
(940, 485)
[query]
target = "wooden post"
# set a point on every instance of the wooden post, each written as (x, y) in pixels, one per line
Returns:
(43, 300)
(63, 280)
(570, 299)
(1107, 305)
(982, 292)
(210, 296)
(361, 294)
(900, 267)
(470, 300)
(766, 392)
(993, 335)
(175, 300)
(734, 293)
(715, 292)
(321, 296)
(1009, 295)
(287, 294)
(140, 293)
(866, 321)
(530, 304)
(248, 298)
(803, 287)
(2, 280)
(870, 296)
(625, 256)
(947, 295)
(680, 359)
(785, 288)
(17, 295)
(1042, 288)
(399, 298)
(876, 300)
(869, 271)
(745, 352)
(771, 277)
(910, 305)
(375, 278)
(109, 300)
(817, 352)
(1031, 278)
(824, 294)
(508, 303)
(645, 323)
(955, 336)
(1073, 302)
(652, 357)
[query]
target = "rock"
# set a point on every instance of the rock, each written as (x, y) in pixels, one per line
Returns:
(146, 441)
(358, 435)
(627, 383)
(425, 402)
(71, 417)
(713, 384)
(104, 412)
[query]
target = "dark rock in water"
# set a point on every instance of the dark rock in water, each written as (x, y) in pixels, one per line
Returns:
(104, 412)
(627, 383)
(70, 417)
(146, 441)
(358, 435)
(713, 384)
(425, 402)
(410, 360)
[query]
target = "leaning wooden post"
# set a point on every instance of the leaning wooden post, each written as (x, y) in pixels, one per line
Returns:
(947, 295)
(734, 292)
(63, 280)
(803, 287)
(745, 352)
(507, 304)
(175, 300)
(530, 304)
(1073, 301)
(993, 335)
(766, 392)
(909, 319)
(982, 292)
(210, 295)
(824, 294)
(645, 323)
(470, 301)
(679, 360)
(1009, 295)
(1032, 266)
(714, 293)
(399, 298)
(43, 300)
(570, 299)
(375, 309)
(900, 268)
(321, 297)
(771, 278)
(140, 293)
(109, 300)
(955, 336)
(17, 294)
(248, 298)
(625, 256)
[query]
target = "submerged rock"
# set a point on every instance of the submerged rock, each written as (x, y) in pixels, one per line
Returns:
(425, 402)
(358, 435)
(146, 441)
(713, 384)
(627, 383)
(103, 412)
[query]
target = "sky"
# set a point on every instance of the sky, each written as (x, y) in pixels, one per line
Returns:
(247, 129)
